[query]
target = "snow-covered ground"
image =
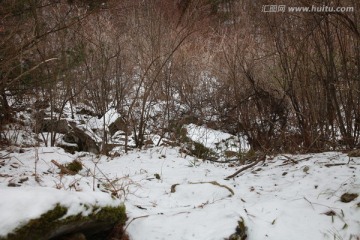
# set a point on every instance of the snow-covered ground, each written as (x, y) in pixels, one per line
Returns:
(172, 196)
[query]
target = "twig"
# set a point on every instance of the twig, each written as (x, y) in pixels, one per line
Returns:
(37, 179)
(291, 160)
(334, 164)
(311, 204)
(94, 174)
(179, 213)
(261, 158)
(63, 169)
(127, 225)
(18, 159)
(303, 159)
(33, 68)
(115, 190)
(216, 184)
(5, 156)
(241, 170)
(110, 185)
(145, 216)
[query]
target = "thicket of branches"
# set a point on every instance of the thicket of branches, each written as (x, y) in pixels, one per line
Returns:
(288, 81)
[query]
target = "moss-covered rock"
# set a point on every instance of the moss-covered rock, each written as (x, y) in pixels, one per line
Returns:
(53, 225)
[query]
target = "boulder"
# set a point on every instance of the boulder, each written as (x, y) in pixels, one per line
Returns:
(107, 147)
(70, 138)
(82, 139)
(118, 125)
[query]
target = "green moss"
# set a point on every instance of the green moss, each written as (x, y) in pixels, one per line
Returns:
(44, 226)
(36, 228)
(112, 214)
(240, 231)
(200, 151)
(74, 166)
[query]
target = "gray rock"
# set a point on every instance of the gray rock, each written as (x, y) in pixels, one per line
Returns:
(82, 139)
(118, 125)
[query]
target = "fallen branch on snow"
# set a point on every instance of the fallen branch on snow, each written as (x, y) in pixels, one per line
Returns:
(335, 164)
(293, 161)
(261, 158)
(63, 169)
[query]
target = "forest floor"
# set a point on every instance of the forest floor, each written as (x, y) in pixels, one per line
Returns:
(169, 195)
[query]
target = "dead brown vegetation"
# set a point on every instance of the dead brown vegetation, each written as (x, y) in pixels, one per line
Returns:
(288, 81)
